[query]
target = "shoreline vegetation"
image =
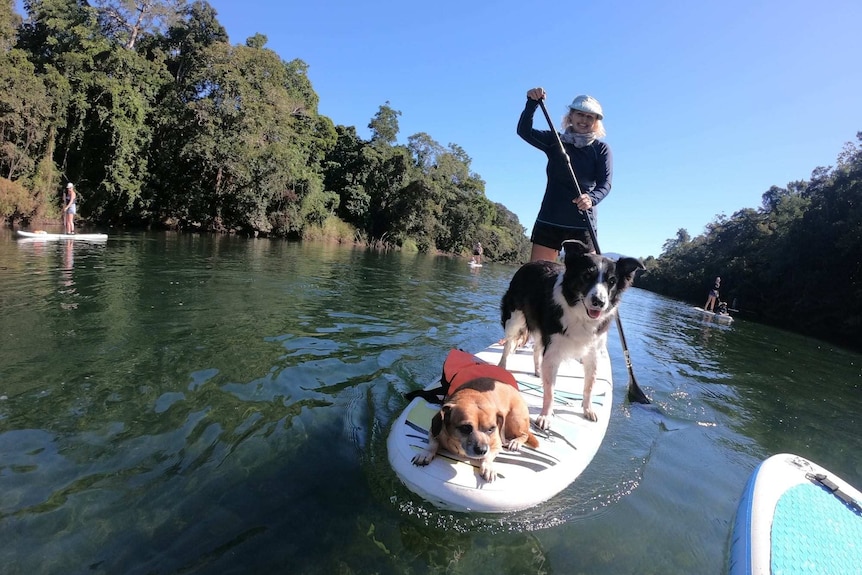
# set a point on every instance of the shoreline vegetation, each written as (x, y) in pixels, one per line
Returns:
(162, 123)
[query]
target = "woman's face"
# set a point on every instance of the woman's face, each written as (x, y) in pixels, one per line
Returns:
(582, 122)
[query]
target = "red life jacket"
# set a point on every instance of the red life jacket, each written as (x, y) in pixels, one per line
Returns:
(459, 368)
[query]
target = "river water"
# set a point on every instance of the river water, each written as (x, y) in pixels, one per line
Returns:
(192, 404)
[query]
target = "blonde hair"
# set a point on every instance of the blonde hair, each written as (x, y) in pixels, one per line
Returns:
(598, 126)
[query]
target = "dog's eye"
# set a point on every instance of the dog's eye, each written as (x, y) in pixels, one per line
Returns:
(465, 429)
(491, 430)
(612, 281)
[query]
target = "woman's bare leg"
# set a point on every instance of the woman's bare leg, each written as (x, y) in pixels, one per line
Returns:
(539, 253)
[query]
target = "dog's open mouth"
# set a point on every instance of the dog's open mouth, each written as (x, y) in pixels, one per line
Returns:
(594, 313)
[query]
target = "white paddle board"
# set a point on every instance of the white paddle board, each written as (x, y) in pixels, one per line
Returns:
(526, 477)
(718, 316)
(797, 518)
(46, 236)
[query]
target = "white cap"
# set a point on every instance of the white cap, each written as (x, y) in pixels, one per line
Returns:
(70, 185)
(587, 104)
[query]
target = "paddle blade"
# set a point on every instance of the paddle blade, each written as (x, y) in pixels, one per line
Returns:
(635, 393)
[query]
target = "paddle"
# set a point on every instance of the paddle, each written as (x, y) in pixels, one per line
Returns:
(635, 393)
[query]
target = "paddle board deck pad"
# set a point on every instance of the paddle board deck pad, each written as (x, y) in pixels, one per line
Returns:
(46, 236)
(525, 478)
(718, 316)
(795, 518)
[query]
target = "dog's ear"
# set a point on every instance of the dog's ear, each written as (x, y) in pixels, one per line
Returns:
(437, 422)
(575, 247)
(439, 419)
(628, 267)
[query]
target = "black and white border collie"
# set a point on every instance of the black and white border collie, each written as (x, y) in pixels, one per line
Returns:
(567, 309)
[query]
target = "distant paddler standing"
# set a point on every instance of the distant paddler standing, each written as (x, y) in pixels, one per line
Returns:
(713, 296)
(70, 199)
(477, 253)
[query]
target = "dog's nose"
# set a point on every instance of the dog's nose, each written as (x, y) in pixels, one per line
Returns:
(598, 301)
(480, 449)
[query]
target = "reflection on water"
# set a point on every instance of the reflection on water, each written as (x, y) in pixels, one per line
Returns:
(174, 403)
(66, 273)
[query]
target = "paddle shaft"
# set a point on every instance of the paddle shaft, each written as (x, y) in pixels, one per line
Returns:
(635, 393)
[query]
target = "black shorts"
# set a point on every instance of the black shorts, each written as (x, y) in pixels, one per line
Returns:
(551, 236)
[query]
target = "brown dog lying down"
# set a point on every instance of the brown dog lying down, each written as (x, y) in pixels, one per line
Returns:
(477, 420)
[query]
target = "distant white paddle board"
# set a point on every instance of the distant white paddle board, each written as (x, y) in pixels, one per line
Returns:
(718, 316)
(47, 237)
(526, 477)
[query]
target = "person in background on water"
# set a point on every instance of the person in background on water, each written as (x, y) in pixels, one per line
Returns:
(69, 209)
(713, 296)
(564, 215)
(477, 253)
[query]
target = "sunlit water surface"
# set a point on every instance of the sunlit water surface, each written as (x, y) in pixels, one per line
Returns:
(186, 404)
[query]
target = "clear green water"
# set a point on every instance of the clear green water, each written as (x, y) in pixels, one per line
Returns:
(185, 404)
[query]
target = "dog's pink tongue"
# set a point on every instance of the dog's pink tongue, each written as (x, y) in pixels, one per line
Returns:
(594, 313)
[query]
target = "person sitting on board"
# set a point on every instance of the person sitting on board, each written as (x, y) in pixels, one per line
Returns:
(713, 296)
(477, 253)
(69, 209)
(565, 215)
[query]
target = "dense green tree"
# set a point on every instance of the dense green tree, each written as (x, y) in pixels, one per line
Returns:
(390, 174)
(505, 238)
(346, 170)
(186, 42)
(26, 110)
(682, 238)
(249, 139)
(170, 195)
(10, 21)
(126, 21)
(384, 125)
(25, 118)
(113, 149)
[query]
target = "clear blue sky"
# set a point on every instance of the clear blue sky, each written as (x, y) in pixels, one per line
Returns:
(707, 104)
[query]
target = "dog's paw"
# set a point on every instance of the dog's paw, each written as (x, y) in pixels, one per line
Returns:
(589, 414)
(489, 474)
(423, 458)
(514, 444)
(543, 422)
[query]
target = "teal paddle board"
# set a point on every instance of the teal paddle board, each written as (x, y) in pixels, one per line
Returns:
(797, 518)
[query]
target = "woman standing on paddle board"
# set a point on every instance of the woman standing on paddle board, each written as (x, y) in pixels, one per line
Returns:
(69, 209)
(713, 295)
(477, 253)
(564, 214)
